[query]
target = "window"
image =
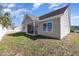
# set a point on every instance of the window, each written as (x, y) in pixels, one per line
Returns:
(44, 27)
(47, 26)
(50, 26)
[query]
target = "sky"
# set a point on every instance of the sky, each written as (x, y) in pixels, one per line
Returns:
(17, 10)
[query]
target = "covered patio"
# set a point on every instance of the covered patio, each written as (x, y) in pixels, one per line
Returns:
(30, 25)
(31, 29)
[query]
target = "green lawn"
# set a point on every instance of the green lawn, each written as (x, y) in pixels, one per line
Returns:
(22, 44)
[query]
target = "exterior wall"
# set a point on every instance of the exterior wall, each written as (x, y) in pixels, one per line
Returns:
(65, 24)
(2, 31)
(55, 33)
(26, 21)
(24, 29)
(61, 25)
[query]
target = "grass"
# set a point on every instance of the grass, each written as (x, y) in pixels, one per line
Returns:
(22, 44)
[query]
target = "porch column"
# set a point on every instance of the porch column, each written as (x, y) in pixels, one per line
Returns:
(26, 29)
(34, 28)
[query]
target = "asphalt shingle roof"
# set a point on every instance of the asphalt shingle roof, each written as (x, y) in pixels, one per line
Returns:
(54, 13)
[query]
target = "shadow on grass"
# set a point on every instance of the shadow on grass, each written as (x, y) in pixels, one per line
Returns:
(30, 36)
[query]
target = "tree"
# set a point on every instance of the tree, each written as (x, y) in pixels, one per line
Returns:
(5, 20)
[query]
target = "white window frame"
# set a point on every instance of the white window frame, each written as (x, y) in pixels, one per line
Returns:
(47, 26)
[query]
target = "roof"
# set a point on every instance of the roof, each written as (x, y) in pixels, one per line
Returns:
(32, 18)
(29, 15)
(54, 13)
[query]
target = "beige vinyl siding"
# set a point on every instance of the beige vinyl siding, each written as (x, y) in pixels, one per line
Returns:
(55, 33)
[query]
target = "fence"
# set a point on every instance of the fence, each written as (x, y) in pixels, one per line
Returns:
(2, 31)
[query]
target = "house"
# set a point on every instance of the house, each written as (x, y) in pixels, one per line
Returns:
(55, 24)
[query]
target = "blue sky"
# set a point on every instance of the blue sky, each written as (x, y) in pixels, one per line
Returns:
(18, 10)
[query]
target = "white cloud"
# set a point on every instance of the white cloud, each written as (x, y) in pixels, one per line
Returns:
(56, 6)
(11, 5)
(7, 10)
(36, 5)
(16, 13)
(75, 17)
(7, 5)
(53, 5)
(4, 5)
(23, 10)
(19, 11)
